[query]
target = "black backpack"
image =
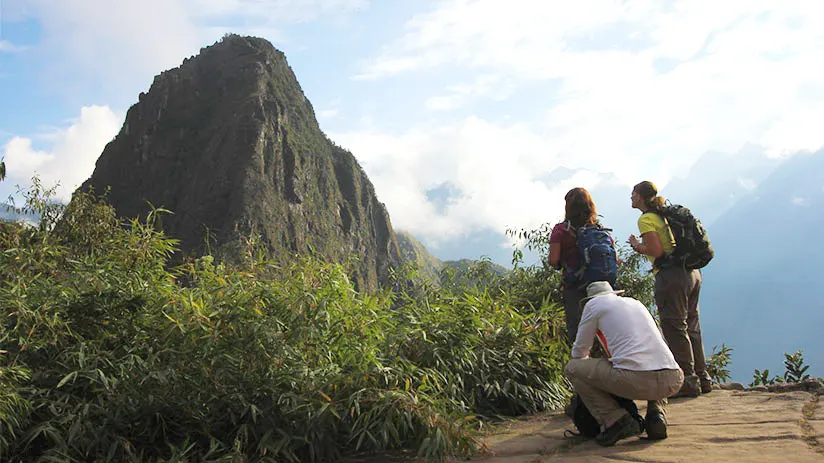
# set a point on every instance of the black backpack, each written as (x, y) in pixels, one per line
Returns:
(587, 425)
(693, 249)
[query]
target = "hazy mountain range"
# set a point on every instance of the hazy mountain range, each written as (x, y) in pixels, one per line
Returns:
(761, 293)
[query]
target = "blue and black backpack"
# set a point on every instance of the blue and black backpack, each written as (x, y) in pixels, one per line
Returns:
(599, 261)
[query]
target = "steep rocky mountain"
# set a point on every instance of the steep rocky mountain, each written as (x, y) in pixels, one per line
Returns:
(761, 293)
(230, 144)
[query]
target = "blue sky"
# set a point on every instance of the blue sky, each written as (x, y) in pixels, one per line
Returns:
(459, 111)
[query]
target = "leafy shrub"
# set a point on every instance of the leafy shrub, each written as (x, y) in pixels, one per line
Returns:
(718, 362)
(108, 353)
(762, 378)
(795, 370)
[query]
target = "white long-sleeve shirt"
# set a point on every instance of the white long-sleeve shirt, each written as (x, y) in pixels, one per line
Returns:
(627, 331)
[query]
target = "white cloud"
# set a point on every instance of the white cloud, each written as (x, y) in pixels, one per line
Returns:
(494, 169)
(460, 94)
(799, 201)
(741, 71)
(639, 89)
(71, 157)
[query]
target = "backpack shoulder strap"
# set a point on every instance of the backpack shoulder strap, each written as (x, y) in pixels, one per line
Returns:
(571, 230)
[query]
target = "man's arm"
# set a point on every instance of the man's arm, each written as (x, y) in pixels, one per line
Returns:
(586, 332)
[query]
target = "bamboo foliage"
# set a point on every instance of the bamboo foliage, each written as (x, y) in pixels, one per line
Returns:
(107, 353)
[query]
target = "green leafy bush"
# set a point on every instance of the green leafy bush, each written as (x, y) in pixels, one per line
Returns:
(109, 353)
(795, 371)
(718, 362)
(762, 378)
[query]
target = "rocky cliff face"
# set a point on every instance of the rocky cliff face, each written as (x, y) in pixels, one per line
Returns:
(230, 144)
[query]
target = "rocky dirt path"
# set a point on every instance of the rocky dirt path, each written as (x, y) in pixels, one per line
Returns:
(724, 426)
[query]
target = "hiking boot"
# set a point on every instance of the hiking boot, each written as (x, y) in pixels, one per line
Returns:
(626, 426)
(687, 391)
(656, 426)
(690, 388)
(706, 386)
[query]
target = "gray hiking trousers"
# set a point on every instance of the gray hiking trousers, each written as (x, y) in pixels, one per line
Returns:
(573, 311)
(676, 295)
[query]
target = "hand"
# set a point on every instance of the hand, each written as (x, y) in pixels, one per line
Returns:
(633, 241)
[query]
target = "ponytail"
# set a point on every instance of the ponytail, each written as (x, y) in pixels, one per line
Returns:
(657, 203)
(649, 193)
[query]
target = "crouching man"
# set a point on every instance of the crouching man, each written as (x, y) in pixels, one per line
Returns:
(639, 365)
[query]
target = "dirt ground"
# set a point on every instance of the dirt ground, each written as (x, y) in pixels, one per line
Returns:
(723, 426)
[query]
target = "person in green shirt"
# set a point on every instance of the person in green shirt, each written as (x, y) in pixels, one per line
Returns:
(676, 291)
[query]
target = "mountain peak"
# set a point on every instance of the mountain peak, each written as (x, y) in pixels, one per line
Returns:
(230, 144)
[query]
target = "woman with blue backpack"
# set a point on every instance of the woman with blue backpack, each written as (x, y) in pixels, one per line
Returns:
(586, 252)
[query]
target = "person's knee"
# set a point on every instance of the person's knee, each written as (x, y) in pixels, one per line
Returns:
(572, 368)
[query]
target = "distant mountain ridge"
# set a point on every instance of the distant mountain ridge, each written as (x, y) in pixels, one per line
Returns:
(724, 179)
(761, 293)
(415, 253)
(430, 267)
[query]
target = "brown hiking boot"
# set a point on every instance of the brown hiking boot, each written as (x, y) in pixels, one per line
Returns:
(656, 426)
(706, 386)
(687, 390)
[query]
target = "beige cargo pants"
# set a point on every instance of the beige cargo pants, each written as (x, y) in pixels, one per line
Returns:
(595, 379)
